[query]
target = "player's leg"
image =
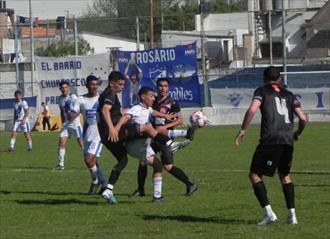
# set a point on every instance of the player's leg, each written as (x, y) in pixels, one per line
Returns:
(92, 150)
(263, 164)
(141, 178)
(13, 136)
(284, 168)
(61, 151)
(26, 130)
(156, 179)
(153, 133)
(48, 122)
(119, 152)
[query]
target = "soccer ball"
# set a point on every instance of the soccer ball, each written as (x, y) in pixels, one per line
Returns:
(199, 118)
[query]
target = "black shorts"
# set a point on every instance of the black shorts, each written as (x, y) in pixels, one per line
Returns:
(166, 155)
(268, 158)
(127, 132)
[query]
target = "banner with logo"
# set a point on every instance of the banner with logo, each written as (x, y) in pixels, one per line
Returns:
(143, 68)
(310, 98)
(51, 71)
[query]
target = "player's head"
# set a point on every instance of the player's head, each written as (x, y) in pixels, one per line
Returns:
(42, 103)
(147, 96)
(162, 86)
(92, 84)
(116, 81)
(64, 88)
(18, 95)
(272, 74)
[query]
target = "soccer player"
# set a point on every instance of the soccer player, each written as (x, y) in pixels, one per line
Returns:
(165, 104)
(110, 113)
(21, 121)
(277, 106)
(87, 105)
(69, 127)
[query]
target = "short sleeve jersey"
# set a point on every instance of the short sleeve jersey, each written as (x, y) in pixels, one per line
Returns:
(87, 106)
(19, 109)
(277, 110)
(140, 114)
(109, 98)
(65, 107)
(165, 106)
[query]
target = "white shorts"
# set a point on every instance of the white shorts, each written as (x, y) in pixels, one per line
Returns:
(71, 129)
(140, 149)
(25, 127)
(93, 147)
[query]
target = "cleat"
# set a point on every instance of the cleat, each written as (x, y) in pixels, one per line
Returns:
(59, 167)
(29, 149)
(191, 189)
(292, 219)
(93, 189)
(268, 219)
(191, 131)
(10, 149)
(108, 196)
(158, 200)
(176, 146)
(138, 193)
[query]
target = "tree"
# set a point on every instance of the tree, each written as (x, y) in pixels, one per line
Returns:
(66, 48)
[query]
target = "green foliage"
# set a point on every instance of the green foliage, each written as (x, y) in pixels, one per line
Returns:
(38, 202)
(66, 48)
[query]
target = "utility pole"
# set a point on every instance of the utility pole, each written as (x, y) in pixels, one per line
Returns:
(31, 47)
(284, 44)
(151, 6)
(270, 38)
(205, 83)
(137, 34)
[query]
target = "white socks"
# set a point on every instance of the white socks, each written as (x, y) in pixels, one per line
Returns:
(30, 144)
(12, 143)
(60, 154)
(93, 171)
(176, 133)
(157, 182)
(268, 210)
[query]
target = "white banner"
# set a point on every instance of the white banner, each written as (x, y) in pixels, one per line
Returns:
(238, 98)
(51, 71)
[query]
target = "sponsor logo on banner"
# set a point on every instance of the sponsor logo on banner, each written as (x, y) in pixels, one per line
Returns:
(144, 68)
(235, 99)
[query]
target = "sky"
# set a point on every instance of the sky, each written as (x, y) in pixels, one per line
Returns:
(49, 9)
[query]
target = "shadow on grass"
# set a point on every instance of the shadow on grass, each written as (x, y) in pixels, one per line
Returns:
(43, 193)
(55, 202)
(185, 218)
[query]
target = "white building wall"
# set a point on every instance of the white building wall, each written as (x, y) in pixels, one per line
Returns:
(101, 43)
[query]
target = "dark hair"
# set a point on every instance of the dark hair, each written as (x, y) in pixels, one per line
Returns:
(62, 83)
(115, 76)
(17, 92)
(162, 79)
(42, 103)
(145, 90)
(91, 78)
(271, 74)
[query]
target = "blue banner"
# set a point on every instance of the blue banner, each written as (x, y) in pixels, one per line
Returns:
(143, 68)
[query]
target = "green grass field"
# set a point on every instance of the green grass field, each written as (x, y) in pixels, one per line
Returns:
(38, 202)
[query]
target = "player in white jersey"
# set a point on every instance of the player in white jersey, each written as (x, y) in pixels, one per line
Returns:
(21, 121)
(140, 148)
(69, 128)
(87, 105)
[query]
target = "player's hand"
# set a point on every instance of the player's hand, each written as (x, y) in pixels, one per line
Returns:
(295, 136)
(22, 122)
(113, 135)
(239, 137)
(171, 116)
(162, 129)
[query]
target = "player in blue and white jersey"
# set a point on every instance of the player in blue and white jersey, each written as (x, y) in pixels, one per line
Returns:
(69, 127)
(21, 121)
(87, 105)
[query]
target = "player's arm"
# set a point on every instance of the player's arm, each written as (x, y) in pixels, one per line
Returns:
(123, 120)
(26, 112)
(169, 117)
(254, 106)
(302, 122)
(113, 133)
